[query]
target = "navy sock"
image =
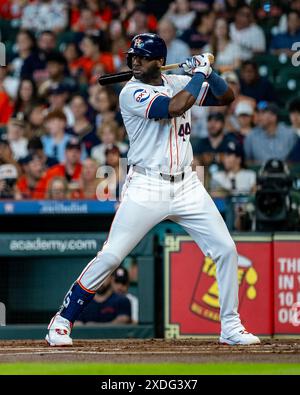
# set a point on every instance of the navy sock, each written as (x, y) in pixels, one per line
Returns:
(74, 302)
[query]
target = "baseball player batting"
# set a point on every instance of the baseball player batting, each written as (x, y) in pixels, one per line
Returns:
(160, 184)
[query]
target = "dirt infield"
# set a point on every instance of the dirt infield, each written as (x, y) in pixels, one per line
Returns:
(150, 351)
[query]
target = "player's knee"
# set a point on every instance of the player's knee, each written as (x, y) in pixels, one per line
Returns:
(111, 261)
(229, 249)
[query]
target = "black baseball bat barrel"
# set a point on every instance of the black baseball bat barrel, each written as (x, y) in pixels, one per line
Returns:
(107, 79)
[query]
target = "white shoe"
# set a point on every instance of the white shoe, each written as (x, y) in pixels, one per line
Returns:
(59, 332)
(240, 338)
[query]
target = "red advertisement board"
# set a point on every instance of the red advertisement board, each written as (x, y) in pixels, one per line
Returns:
(287, 284)
(191, 291)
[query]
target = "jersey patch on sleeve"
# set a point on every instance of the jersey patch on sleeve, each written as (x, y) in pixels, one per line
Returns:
(141, 95)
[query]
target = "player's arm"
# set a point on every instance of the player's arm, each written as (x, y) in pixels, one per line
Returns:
(220, 93)
(211, 100)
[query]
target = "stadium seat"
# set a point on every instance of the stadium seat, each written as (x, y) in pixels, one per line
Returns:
(8, 32)
(287, 83)
(268, 65)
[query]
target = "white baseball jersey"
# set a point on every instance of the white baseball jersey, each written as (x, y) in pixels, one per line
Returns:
(163, 144)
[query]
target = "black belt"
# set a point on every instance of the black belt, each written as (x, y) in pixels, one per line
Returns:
(172, 178)
(164, 176)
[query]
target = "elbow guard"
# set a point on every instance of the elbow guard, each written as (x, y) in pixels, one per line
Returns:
(160, 108)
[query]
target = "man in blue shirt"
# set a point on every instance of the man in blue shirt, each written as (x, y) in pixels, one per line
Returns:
(270, 139)
(283, 42)
(107, 307)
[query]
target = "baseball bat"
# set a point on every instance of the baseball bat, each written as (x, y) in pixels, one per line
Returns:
(107, 79)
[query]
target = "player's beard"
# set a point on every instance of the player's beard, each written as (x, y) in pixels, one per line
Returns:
(152, 74)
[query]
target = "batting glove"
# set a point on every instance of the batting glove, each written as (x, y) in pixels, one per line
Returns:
(198, 64)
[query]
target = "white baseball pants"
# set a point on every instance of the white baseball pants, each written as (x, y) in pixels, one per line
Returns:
(148, 200)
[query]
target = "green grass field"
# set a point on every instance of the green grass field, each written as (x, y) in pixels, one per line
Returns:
(155, 369)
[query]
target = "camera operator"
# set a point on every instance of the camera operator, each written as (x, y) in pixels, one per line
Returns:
(277, 201)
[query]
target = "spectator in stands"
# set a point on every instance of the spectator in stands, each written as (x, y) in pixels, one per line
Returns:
(56, 67)
(140, 21)
(70, 168)
(294, 5)
(16, 137)
(57, 189)
(200, 32)
(294, 113)
(246, 33)
(283, 42)
(120, 285)
(56, 140)
(9, 171)
(180, 14)
(101, 9)
(26, 46)
(210, 149)
(104, 103)
(6, 154)
(230, 8)
(6, 106)
(82, 127)
(58, 95)
(88, 181)
(233, 81)
(36, 119)
(108, 134)
(255, 86)
(12, 9)
(244, 114)
(234, 179)
(8, 178)
(35, 148)
(72, 55)
(94, 56)
(115, 180)
(119, 41)
(227, 53)
(89, 22)
(177, 49)
(40, 15)
(112, 175)
(34, 65)
(270, 139)
(47, 41)
(26, 97)
(268, 12)
(27, 186)
(294, 155)
(106, 307)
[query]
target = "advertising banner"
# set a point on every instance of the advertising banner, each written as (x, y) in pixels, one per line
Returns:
(287, 284)
(191, 289)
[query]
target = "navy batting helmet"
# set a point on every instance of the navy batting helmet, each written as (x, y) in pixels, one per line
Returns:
(149, 45)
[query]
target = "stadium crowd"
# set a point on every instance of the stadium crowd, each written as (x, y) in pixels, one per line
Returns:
(58, 125)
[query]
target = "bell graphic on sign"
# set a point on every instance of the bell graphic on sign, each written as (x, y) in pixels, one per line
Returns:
(205, 300)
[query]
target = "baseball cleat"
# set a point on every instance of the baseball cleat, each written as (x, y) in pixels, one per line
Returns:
(240, 338)
(59, 332)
